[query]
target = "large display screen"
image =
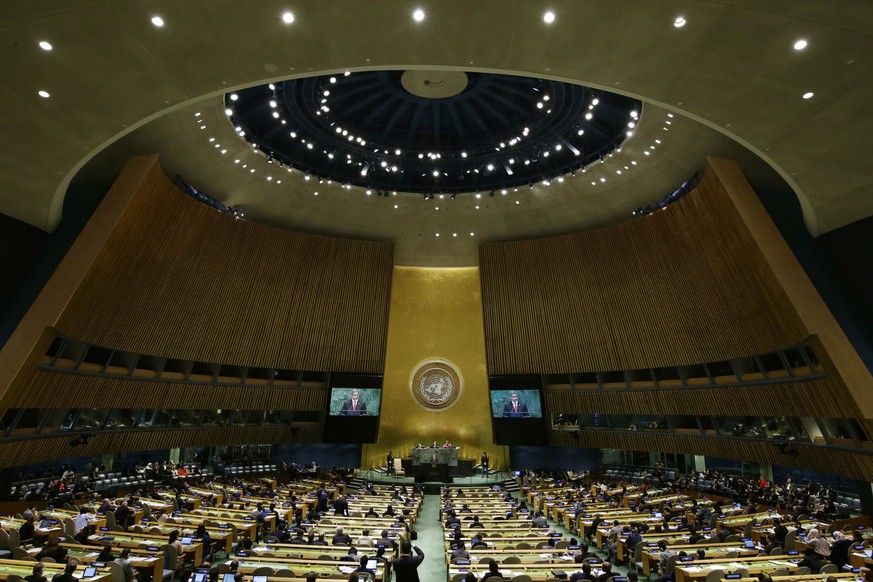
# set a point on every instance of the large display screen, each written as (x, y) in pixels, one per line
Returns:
(355, 401)
(516, 404)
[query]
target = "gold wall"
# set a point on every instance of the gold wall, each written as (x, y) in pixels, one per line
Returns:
(435, 314)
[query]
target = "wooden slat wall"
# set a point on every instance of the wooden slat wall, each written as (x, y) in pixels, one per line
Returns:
(14, 453)
(684, 285)
(777, 399)
(53, 389)
(824, 459)
(181, 280)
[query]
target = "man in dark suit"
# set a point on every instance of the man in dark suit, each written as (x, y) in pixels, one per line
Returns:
(484, 462)
(514, 408)
(406, 565)
(67, 576)
(341, 506)
(353, 406)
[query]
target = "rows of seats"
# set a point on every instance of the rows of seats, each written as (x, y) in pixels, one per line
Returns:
(258, 468)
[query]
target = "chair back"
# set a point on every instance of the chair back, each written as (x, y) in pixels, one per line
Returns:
(715, 575)
(4, 540)
(171, 557)
(69, 527)
(116, 571)
(14, 538)
(638, 552)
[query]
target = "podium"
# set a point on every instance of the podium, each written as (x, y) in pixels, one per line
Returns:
(430, 464)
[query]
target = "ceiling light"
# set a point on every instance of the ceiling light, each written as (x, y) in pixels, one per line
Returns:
(157, 21)
(800, 45)
(287, 18)
(418, 15)
(588, 116)
(808, 95)
(228, 111)
(549, 17)
(234, 96)
(44, 94)
(273, 103)
(679, 22)
(47, 46)
(333, 80)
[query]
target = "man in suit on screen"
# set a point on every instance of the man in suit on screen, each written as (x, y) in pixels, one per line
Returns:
(514, 408)
(353, 406)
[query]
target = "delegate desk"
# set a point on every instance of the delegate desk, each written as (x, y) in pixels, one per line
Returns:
(54, 530)
(219, 534)
(24, 568)
(699, 569)
(537, 572)
(193, 550)
(651, 554)
(297, 566)
(149, 562)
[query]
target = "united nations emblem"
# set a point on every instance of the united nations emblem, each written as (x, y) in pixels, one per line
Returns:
(435, 385)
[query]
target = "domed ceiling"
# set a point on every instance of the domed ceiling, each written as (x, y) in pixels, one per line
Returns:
(432, 132)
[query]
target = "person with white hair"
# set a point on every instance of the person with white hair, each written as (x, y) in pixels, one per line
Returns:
(815, 541)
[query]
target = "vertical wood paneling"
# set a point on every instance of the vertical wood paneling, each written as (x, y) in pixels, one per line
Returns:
(179, 279)
(687, 284)
(53, 389)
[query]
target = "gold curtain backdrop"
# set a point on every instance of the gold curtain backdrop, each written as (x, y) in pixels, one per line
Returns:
(435, 314)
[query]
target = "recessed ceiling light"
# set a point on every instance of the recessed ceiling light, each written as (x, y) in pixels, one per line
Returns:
(800, 45)
(287, 17)
(808, 95)
(396, 206)
(679, 22)
(45, 45)
(418, 15)
(44, 94)
(157, 21)
(234, 96)
(549, 17)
